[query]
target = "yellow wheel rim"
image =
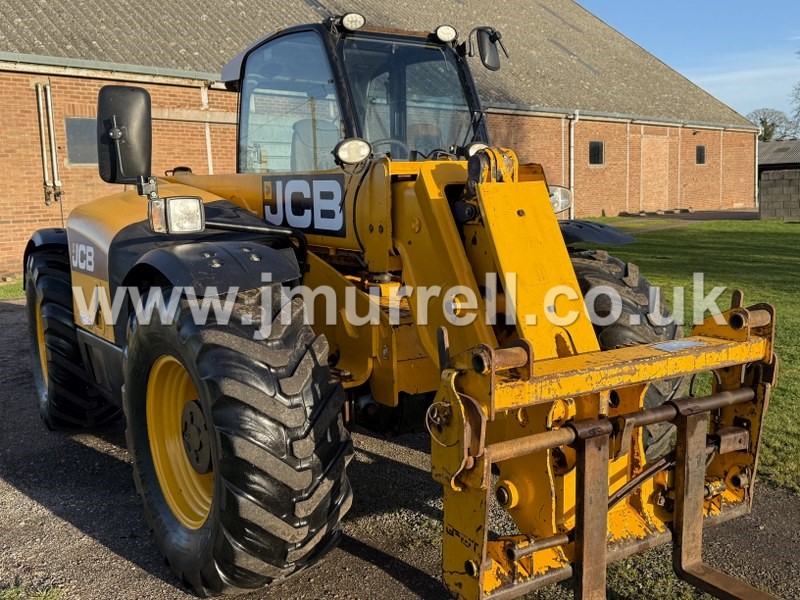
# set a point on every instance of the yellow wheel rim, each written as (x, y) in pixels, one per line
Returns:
(40, 343)
(187, 492)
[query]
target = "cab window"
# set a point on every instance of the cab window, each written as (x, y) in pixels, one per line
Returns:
(289, 118)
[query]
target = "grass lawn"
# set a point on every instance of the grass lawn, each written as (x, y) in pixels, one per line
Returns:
(11, 290)
(22, 592)
(761, 258)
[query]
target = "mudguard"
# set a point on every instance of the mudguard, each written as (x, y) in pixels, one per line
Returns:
(589, 232)
(212, 268)
(220, 264)
(54, 236)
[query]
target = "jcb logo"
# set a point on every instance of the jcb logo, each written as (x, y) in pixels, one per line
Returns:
(315, 205)
(83, 257)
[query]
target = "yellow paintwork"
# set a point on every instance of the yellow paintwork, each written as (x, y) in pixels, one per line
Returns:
(369, 233)
(41, 347)
(401, 232)
(188, 493)
(98, 222)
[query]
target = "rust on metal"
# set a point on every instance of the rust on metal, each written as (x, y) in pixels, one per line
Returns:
(500, 451)
(731, 439)
(516, 552)
(510, 358)
(690, 484)
(591, 507)
(693, 406)
(752, 318)
(517, 589)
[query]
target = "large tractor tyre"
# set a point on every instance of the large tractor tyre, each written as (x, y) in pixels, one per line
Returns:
(66, 397)
(238, 445)
(640, 322)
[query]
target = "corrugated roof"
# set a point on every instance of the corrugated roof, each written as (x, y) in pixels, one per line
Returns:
(785, 152)
(562, 56)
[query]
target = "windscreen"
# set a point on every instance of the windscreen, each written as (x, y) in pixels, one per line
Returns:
(409, 97)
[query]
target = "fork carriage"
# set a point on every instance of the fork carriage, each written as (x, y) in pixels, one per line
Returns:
(610, 504)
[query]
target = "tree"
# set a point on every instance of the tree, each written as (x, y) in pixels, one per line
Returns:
(774, 124)
(796, 101)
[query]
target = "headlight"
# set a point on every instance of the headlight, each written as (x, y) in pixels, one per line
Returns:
(178, 214)
(446, 33)
(560, 198)
(352, 151)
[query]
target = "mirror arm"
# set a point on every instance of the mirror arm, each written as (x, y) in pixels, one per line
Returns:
(498, 38)
(147, 187)
(470, 43)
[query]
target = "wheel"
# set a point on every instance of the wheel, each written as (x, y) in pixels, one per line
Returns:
(66, 396)
(639, 323)
(238, 446)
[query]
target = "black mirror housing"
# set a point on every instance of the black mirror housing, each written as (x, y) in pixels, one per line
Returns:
(487, 47)
(124, 134)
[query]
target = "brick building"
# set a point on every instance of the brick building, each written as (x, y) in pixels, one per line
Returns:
(628, 133)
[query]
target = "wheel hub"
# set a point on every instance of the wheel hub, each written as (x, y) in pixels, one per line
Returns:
(180, 443)
(196, 443)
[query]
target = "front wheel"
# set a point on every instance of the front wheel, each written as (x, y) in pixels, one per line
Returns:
(644, 319)
(238, 446)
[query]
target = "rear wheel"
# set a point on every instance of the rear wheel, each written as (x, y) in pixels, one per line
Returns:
(238, 446)
(66, 396)
(644, 320)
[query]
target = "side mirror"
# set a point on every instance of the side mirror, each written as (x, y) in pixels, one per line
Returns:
(487, 47)
(124, 134)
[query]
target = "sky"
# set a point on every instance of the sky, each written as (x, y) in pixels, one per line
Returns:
(742, 52)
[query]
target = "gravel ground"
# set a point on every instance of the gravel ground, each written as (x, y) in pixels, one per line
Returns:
(70, 518)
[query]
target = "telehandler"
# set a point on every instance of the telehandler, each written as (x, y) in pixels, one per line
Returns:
(460, 304)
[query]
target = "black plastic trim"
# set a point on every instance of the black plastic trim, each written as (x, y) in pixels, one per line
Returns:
(54, 236)
(590, 233)
(103, 362)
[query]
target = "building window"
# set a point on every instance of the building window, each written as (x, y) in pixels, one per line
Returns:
(597, 153)
(701, 155)
(81, 141)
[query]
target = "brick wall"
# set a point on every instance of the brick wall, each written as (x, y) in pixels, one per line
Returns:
(175, 142)
(534, 139)
(645, 168)
(780, 195)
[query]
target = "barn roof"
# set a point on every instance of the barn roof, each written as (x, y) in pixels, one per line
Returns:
(784, 152)
(562, 57)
